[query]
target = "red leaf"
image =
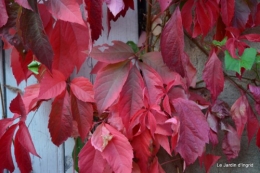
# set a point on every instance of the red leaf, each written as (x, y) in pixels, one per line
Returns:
(131, 99)
(94, 9)
(155, 86)
(30, 97)
(60, 122)
(4, 15)
(69, 40)
(17, 106)
(115, 6)
(172, 44)
(231, 143)
(109, 83)
(82, 113)
(101, 138)
(213, 75)
(257, 15)
(22, 157)
(67, 10)
(4, 124)
(186, 12)
(82, 89)
(255, 90)
(118, 52)
(258, 138)
(241, 15)
(209, 160)
(251, 37)
(52, 85)
(5, 150)
(164, 4)
(239, 114)
(47, 19)
(143, 146)
(164, 142)
(90, 159)
(118, 152)
(194, 130)
(227, 11)
(24, 4)
(252, 123)
(24, 138)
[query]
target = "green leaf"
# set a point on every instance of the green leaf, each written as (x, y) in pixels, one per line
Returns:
(246, 60)
(34, 67)
(219, 43)
(257, 60)
(78, 146)
(133, 46)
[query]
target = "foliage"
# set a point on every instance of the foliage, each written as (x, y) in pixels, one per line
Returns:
(141, 99)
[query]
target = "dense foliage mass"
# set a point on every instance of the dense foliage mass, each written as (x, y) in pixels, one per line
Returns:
(141, 99)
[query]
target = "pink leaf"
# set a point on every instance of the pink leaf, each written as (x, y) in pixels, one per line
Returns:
(115, 6)
(194, 130)
(231, 143)
(164, 142)
(67, 10)
(101, 138)
(118, 152)
(118, 52)
(172, 43)
(52, 85)
(24, 138)
(90, 159)
(4, 125)
(164, 4)
(17, 106)
(213, 76)
(82, 89)
(69, 46)
(30, 97)
(227, 11)
(109, 83)
(24, 3)
(131, 99)
(82, 113)
(239, 114)
(4, 15)
(255, 90)
(5, 150)
(60, 122)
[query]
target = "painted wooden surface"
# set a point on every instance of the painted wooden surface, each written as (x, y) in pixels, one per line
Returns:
(58, 159)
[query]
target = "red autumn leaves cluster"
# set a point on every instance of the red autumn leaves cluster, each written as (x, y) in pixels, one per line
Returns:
(140, 101)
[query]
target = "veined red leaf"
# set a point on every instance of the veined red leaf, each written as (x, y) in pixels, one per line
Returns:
(115, 6)
(194, 130)
(239, 114)
(209, 160)
(47, 19)
(252, 123)
(231, 143)
(164, 4)
(144, 150)
(131, 99)
(4, 15)
(109, 83)
(172, 43)
(154, 86)
(94, 9)
(69, 40)
(30, 97)
(5, 150)
(60, 122)
(258, 138)
(227, 11)
(52, 85)
(22, 157)
(4, 124)
(118, 52)
(118, 152)
(82, 89)
(24, 138)
(17, 106)
(82, 113)
(90, 159)
(24, 4)
(101, 137)
(241, 15)
(99, 65)
(67, 10)
(30, 22)
(186, 13)
(213, 75)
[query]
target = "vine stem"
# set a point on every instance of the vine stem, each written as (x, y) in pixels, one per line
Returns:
(225, 74)
(2, 103)
(169, 161)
